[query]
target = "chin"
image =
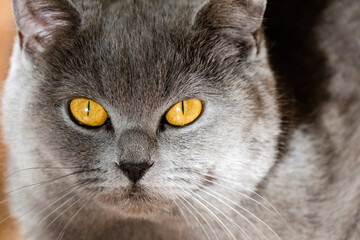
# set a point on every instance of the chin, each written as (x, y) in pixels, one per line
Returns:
(135, 202)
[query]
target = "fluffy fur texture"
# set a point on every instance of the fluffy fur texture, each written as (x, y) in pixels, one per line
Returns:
(223, 176)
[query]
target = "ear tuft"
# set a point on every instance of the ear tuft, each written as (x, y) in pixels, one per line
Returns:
(44, 23)
(239, 21)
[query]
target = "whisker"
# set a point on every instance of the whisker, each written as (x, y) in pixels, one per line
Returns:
(53, 211)
(225, 215)
(212, 214)
(238, 204)
(257, 218)
(182, 213)
(242, 194)
(251, 191)
(240, 214)
(62, 233)
(73, 204)
(79, 185)
(197, 220)
(212, 229)
(35, 168)
(32, 208)
(43, 183)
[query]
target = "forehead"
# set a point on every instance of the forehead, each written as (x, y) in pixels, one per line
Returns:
(133, 61)
(147, 46)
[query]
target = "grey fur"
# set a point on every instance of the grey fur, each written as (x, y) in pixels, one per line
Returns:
(138, 58)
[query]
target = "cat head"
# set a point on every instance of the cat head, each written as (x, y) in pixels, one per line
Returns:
(137, 68)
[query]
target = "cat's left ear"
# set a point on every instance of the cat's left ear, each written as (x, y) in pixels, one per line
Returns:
(44, 23)
(239, 21)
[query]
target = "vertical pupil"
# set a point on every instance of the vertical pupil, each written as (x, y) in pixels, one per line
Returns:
(182, 107)
(88, 108)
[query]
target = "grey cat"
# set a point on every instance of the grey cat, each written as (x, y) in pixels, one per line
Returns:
(249, 166)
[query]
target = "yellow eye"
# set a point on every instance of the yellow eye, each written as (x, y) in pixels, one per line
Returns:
(88, 112)
(184, 112)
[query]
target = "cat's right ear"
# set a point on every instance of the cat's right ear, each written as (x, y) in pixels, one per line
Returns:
(44, 23)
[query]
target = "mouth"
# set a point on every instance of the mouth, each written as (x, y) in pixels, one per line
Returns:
(138, 194)
(134, 201)
(138, 203)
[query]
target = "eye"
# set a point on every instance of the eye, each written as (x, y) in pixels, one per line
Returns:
(184, 112)
(88, 112)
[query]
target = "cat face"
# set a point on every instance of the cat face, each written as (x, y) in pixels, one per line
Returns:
(135, 68)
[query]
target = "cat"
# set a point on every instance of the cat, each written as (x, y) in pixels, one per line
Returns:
(193, 135)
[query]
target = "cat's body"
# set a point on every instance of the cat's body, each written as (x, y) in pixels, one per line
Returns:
(137, 58)
(320, 170)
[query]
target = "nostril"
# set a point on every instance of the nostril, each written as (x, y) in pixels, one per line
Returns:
(134, 171)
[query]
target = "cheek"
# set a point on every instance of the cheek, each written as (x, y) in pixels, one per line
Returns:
(245, 157)
(70, 147)
(232, 151)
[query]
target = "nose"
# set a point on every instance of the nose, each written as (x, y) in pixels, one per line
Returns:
(135, 171)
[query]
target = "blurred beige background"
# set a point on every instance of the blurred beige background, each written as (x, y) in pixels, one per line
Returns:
(7, 32)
